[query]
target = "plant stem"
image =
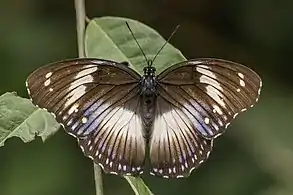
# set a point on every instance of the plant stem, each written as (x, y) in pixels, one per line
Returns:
(98, 179)
(80, 27)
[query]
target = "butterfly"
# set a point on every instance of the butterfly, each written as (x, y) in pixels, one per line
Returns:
(122, 119)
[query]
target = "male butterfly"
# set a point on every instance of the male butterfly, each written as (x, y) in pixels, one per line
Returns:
(117, 115)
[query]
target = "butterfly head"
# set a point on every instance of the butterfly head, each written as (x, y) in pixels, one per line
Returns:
(149, 71)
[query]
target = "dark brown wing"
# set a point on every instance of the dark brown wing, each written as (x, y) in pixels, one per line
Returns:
(118, 143)
(68, 89)
(211, 92)
(176, 148)
(97, 102)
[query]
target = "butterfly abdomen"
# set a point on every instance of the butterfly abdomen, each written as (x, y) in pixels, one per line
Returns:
(148, 99)
(148, 109)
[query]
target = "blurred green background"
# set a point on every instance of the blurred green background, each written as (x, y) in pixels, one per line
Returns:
(254, 157)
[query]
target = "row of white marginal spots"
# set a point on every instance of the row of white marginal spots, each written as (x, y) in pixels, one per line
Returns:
(77, 89)
(111, 163)
(184, 167)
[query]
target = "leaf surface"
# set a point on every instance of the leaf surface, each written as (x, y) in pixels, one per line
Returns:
(20, 118)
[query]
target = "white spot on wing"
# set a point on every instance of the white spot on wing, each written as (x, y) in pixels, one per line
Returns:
(242, 83)
(206, 120)
(74, 126)
(87, 71)
(241, 75)
(174, 169)
(182, 167)
(101, 165)
(75, 95)
(47, 82)
(214, 86)
(217, 109)
(220, 123)
(54, 115)
(73, 109)
(48, 75)
(216, 127)
(69, 122)
(196, 62)
(26, 84)
(64, 117)
(208, 76)
(215, 95)
(84, 120)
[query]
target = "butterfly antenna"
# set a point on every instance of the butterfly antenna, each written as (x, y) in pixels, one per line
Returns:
(174, 31)
(146, 59)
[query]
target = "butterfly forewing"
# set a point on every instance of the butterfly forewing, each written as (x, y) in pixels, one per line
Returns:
(212, 91)
(97, 102)
(67, 87)
(176, 147)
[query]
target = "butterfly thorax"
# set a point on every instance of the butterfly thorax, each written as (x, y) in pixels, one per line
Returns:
(148, 95)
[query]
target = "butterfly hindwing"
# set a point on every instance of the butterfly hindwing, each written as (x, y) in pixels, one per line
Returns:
(212, 91)
(176, 147)
(118, 142)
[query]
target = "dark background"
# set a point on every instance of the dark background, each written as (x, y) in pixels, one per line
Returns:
(254, 157)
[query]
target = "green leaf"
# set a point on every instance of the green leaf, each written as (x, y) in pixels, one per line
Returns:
(138, 186)
(18, 118)
(109, 38)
